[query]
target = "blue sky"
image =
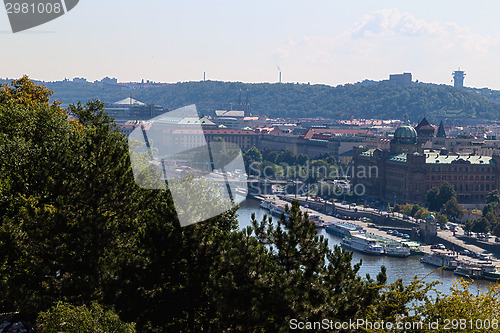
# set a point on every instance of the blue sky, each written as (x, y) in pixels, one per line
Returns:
(317, 41)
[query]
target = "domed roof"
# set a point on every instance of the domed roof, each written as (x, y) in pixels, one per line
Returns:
(405, 134)
(430, 217)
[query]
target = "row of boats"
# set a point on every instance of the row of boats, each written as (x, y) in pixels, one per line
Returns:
(354, 237)
(274, 210)
(474, 269)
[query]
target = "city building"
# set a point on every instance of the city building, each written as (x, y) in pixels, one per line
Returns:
(244, 138)
(405, 172)
(132, 109)
(401, 79)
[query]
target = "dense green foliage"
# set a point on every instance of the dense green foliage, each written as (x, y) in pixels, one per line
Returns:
(489, 221)
(287, 165)
(67, 203)
(444, 199)
(75, 228)
(418, 307)
(67, 318)
(78, 237)
(381, 100)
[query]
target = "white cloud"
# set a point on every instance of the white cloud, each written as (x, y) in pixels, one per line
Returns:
(392, 24)
(389, 40)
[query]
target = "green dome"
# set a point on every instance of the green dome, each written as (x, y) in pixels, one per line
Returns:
(405, 134)
(430, 217)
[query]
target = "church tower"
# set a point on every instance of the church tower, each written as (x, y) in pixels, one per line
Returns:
(441, 133)
(425, 131)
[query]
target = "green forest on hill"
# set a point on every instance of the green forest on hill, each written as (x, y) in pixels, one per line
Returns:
(381, 100)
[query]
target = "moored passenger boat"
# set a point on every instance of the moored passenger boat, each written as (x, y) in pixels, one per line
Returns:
(468, 270)
(440, 259)
(490, 272)
(316, 219)
(266, 204)
(277, 210)
(363, 244)
(396, 250)
(340, 229)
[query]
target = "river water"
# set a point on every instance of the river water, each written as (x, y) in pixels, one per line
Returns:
(397, 268)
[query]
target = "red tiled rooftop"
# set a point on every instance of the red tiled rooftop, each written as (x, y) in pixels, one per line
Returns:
(333, 131)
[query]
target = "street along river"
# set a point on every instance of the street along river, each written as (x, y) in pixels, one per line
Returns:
(397, 268)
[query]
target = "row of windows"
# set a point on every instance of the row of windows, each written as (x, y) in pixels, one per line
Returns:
(467, 187)
(449, 177)
(460, 169)
(471, 198)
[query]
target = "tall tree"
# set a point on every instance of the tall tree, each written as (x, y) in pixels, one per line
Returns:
(68, 197)
(67, 318)
(432, 199)
(24, 92)
(453, 209)
(446, 192)
(318, 282)
(493, 196)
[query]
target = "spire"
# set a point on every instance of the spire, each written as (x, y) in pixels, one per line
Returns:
(441, 133)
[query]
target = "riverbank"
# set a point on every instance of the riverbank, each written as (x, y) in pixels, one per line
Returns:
(379, 228)
(397, 268)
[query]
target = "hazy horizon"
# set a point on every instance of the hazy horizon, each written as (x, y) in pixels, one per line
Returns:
(316, 42)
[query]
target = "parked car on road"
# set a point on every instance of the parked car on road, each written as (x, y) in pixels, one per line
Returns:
(484, 256)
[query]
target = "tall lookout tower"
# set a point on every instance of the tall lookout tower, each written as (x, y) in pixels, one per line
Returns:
(458, 78)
